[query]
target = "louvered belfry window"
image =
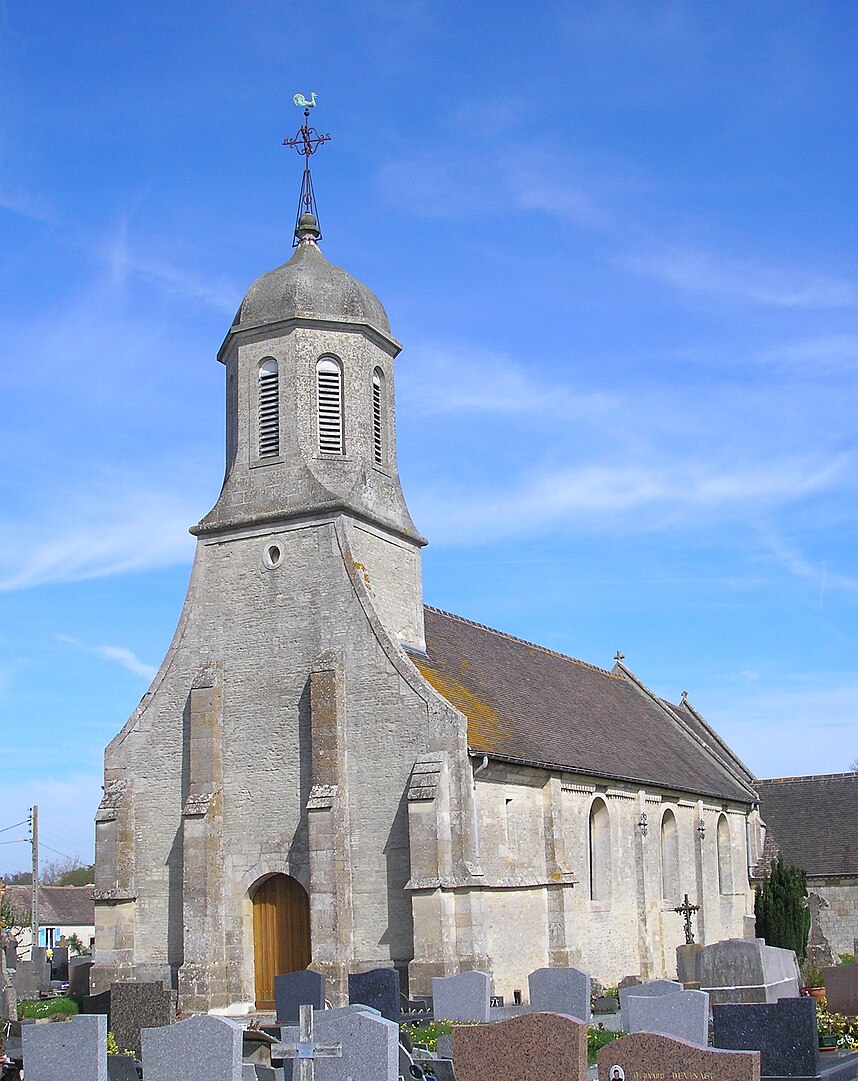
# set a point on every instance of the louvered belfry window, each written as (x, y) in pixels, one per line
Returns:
(378, 416)
(329, 399)
(269, 410)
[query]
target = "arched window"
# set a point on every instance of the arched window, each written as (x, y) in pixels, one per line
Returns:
(269, 409)
(329, 405)
(378, 403)
(669, 858)
(725, 857)
(600, 852)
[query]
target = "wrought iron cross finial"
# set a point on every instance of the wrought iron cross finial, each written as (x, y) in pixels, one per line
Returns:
(618, 656)
(686, 909)
(306, 141)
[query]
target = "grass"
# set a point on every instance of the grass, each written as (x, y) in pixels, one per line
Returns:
(47, 1007)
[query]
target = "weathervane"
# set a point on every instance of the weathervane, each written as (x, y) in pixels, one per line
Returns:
(307, 141)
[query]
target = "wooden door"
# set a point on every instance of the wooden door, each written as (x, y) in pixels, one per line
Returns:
(281, 933)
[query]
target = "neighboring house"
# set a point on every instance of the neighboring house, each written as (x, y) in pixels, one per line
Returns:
(63, 911)
(813, 822)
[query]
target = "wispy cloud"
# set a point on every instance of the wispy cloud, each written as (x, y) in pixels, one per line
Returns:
(119, 654)
(799, 566)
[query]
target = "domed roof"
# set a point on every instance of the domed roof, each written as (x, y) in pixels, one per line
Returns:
(308, 285)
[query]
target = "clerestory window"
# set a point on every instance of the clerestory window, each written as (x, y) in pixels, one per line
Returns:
(269, 409)
(329, 405)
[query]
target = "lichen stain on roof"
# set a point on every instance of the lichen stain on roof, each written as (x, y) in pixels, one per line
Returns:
(484, 725)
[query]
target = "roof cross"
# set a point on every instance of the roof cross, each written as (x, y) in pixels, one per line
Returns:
(306, 141)
(306, 1050)
(618, 656)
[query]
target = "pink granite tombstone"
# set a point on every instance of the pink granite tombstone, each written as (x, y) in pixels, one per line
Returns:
(647, 1057)
(550, 1046)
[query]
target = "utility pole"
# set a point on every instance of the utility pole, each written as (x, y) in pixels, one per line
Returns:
(34, 840)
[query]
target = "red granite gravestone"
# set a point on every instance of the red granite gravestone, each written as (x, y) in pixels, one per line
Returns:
(548, 1046)
(647, 1057)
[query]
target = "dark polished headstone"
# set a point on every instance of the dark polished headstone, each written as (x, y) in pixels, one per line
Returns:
(121, 1068)
(60, 963)
(79, 969)
(378, 988)
(841, 989)
(784, 1033)
(97, 1004)
(295, 989)
(135, 1006)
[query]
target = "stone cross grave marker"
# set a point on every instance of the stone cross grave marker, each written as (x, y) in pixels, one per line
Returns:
(683, 1015)
(543, 1046)
(200, 1048)
(645, 1056)
(306, 1050)
(73, 1050)
(560, 990)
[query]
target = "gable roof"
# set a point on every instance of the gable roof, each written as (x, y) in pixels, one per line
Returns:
(813, 821)
(59, 906)
(529, 704)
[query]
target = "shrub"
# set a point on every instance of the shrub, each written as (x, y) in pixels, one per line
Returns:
(783, 918)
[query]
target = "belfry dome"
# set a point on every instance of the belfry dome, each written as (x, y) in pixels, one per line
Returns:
(308, 285)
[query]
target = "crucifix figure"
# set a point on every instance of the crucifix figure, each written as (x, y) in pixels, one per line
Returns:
(306, 1050)
(686, 909)
(306, 141)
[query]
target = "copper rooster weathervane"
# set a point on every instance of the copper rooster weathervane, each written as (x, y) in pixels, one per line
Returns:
(306, 141)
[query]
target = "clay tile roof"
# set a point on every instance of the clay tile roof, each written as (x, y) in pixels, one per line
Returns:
(59, 906)
(813, 821)
(529, 704)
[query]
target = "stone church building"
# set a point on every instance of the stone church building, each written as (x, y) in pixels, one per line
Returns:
(326, 771)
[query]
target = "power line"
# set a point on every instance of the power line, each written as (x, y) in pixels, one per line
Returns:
(55, 852)
(17, 841)
(7, 828)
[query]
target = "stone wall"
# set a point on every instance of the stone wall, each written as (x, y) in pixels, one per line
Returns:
(838, 913)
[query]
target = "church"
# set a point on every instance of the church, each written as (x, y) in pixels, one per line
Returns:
(326, 771)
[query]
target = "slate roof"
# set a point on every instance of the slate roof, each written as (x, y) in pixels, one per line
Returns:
(813, 821)
(59, 906)
(529, 704)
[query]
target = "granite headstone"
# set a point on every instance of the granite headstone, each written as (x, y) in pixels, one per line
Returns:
(135, 1006)
(370, 1047)
(73, 1050)
(560, 990)
(841, 989)
(79, 970)
(378, 988)
(464, 997)
(640, 990)
(121, 1068)
(741, 970)
(60, 963)
(547, 1046)
(295, 989)
(785, 1034)
(646, 1056)
(202, 1048)
(683, 1015)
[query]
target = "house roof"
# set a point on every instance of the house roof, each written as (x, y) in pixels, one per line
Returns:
(59, 906)
(813, 821)
(529, 704)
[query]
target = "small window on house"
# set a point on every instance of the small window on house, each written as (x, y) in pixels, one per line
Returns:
(600, 852)
(329, 405)
(669, 858)
(378, 403)
(725, 857)
(269, 410)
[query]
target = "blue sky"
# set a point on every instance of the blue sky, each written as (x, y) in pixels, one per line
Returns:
(618, 242)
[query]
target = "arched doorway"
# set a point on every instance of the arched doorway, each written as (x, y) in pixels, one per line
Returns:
(281, 933)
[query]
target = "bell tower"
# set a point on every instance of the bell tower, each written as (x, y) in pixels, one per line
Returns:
(311, 417)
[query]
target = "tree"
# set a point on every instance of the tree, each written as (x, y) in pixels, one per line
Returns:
(783, 918)
(854, 765)
(67, 872)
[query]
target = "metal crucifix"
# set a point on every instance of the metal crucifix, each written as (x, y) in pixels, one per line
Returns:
(306, 141)
(306, 1050)
(686, 910)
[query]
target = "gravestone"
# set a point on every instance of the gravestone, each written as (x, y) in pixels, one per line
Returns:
(8, 998)
(683, 1015)
(442, 1070)
(547, 1046)
(79, 970)
(42, 966)
(560, 990)
(10, 949)
(296, 989)
(784, 1033)
(641, 990)
(370, 1047)
(25, 980)
(464, 997)
(645, 1056)
(135, 1006)
(121, 1068)
(741, 970)
(202, 1048)
(60, 963)
(444, 1047)
(378, 988)
(74, 1049)
(841, 989)
(97, 1004)
(257, 1071)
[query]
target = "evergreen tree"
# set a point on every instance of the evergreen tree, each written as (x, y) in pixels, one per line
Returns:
(782, 917)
